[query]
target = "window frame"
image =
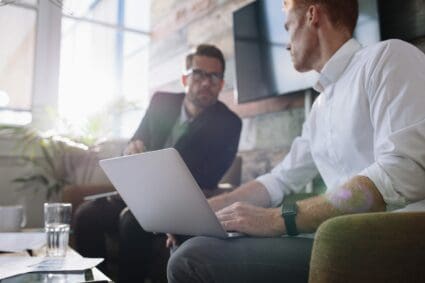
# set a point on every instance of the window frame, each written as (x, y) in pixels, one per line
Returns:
(47, 48)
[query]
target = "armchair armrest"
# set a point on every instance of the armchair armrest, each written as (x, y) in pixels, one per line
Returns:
(75, 194)
(371, 247)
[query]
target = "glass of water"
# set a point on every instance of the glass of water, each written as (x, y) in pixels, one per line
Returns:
(57, 218)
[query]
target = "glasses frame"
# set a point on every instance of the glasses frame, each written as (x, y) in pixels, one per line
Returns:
(199, 75)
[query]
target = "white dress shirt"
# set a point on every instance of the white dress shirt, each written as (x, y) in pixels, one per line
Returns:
(369, 120)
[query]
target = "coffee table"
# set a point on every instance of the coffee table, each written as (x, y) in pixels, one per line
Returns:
(89, 275)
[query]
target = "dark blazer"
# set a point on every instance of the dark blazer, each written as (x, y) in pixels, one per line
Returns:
(210, 143)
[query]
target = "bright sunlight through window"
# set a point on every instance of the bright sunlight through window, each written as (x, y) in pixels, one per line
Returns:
(103, 66)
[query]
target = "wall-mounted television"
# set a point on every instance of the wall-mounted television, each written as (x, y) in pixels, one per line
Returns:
(263, 65)
(402, 19)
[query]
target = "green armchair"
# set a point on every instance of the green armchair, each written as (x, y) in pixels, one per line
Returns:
(372, 247)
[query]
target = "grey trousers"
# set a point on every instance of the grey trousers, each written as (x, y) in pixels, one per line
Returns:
(204, 259)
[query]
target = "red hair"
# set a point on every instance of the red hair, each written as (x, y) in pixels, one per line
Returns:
(343, 13)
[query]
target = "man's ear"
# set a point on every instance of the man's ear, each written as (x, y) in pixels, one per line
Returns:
(313, 14)
(184, 80)
(221, 85)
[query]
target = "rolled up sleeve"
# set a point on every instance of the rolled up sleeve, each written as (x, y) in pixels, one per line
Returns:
(382, 181)
(399, 171)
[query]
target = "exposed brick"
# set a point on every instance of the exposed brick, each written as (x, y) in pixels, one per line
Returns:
(258, 162)
(182, 15)
(163, 50)
(268, 105)
(162, 8)
(167, 72)
(215, 23)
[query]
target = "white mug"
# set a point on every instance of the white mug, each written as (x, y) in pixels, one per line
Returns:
(12, 218)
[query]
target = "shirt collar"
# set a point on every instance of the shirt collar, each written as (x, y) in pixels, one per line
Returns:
(336, 65)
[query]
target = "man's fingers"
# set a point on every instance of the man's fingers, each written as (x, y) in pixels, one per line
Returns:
(134, 147)
(235, 207)
(232, 225)
(168, 243)
(139, 146)
(171, 241)
(129, 150)
(226, 216)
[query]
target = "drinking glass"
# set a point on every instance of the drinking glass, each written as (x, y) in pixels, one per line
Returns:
(57, 218)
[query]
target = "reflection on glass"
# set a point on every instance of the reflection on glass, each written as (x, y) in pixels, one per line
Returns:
(58, 278)
(44, 277)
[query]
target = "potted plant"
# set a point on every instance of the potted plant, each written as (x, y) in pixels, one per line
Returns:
(56, 161)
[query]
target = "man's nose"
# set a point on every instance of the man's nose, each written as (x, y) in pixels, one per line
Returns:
(206, 80)
(288, 46)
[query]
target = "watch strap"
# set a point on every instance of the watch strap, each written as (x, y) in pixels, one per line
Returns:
(289, 212)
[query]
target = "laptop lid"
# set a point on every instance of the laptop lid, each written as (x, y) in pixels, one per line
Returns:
(162, 194)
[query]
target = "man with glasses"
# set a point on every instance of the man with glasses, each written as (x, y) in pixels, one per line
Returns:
(205, 133)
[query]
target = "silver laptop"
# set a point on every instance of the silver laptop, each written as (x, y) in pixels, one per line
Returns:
(162, 194)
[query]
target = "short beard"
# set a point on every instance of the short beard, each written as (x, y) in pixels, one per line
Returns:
(201, 104)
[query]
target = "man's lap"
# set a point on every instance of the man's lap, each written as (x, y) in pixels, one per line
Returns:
(247, 259)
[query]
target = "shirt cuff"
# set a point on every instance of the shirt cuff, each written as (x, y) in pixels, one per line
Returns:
(383, 182)
(273, 187)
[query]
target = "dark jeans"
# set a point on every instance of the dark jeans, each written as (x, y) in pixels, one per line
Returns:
(204, 259)
(141, 253)
(92, 221)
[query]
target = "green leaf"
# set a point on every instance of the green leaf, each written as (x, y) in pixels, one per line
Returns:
(48, 158)
(33, 178)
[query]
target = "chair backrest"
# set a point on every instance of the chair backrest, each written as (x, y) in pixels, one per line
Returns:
(372, 247)
(75, 194)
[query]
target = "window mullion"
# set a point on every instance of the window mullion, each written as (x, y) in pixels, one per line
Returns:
(46, 67)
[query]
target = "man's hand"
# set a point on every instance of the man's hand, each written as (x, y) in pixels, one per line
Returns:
(171, 241)
(134, 147)
(252, 192)
(252, 220)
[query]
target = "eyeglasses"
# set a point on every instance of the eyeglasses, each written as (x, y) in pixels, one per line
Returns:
(200, 75)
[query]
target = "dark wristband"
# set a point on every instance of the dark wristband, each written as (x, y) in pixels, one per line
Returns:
(289, 212)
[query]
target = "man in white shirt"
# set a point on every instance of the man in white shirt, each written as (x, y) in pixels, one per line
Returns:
(365, 136)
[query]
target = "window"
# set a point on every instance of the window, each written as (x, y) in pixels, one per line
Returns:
(104, 60)
(80, 58)
(17, 30)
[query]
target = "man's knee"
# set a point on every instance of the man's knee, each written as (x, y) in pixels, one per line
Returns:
(86, 214)
(178, 264)
(126, 221)
(186, 264)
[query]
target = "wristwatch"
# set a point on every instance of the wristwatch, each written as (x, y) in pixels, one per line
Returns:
(289, 211)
